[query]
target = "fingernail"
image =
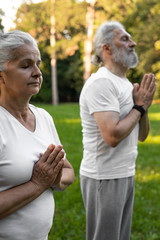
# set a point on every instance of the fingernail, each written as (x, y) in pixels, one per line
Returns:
(51, 146)
(60, 146)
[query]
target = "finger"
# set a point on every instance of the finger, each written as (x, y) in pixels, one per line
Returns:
(148, 81)
(57, 171)
(153, 89)
(46, 154)
(144, 80)
(152, 85)
(54, 153)
(59, 157)
(136, 86)
(58, 178)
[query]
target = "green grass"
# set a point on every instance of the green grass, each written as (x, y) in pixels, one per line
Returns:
(69, 219)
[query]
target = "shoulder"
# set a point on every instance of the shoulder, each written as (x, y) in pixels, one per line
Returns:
(99, 86)
(102, 76)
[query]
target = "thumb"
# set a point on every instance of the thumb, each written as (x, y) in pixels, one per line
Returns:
(135, 87)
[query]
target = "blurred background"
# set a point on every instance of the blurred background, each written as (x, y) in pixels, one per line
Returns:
(64, 30)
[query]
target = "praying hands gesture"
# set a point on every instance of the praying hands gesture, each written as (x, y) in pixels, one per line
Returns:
(47, 171)
(143, 94)
(51, 170)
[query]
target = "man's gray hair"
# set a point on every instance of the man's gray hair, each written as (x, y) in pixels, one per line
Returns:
(104, 35)
(11, 41)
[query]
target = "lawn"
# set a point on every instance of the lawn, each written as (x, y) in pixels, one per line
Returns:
(69, 219)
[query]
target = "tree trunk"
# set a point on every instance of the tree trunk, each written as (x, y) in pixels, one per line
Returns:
(53, 57)
(88, 42)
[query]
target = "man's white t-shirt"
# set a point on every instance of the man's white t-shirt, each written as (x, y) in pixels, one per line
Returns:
(19, 150)
(105, 91)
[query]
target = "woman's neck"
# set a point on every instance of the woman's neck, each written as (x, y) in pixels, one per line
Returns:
(18, 109)
(21, 112)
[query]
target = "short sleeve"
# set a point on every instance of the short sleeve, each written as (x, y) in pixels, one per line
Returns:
(102, 95)
(53, 129)
(1, 141)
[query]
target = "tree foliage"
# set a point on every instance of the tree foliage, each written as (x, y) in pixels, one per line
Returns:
(70, 28)
(1, 14)
(140, 17)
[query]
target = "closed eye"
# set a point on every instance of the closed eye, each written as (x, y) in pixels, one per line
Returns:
(24, 67)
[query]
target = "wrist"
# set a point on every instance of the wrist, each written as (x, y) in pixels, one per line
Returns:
(140, 109)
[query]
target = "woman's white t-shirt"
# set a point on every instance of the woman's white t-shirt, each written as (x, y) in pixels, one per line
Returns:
(19, 150)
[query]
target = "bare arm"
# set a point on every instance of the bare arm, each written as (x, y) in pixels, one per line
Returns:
(114, 130)
(65, 178)
(143, 96)
(144, 127)
(44, 175)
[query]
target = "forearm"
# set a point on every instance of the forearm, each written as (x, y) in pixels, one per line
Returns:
(13, 199)
(113, 129)
(144, 127)
(124, 127)
(45, 172)
(66, 179)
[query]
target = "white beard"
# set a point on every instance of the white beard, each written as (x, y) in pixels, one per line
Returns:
(127, 59)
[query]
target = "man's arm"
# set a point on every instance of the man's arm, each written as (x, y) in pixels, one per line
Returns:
(114, 130)
(144, 127)
(143, 96)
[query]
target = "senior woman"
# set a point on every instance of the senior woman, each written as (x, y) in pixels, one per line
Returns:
(32, 159)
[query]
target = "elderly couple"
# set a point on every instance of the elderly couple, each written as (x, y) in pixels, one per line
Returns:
(32, 159)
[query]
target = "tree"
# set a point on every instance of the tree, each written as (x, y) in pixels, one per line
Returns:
(142, 24)
(69, 36)
(89, 39)
(140, 18)
(1, 14)
(53, 56)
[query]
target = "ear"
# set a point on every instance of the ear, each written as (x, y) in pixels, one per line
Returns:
(1, 77)
(107, 47)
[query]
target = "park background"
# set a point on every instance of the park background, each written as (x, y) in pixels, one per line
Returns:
(64, 30)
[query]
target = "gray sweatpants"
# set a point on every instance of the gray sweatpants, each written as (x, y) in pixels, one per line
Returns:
(109, 207)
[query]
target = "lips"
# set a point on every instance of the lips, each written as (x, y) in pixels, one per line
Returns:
(132, 50)
(34, 83)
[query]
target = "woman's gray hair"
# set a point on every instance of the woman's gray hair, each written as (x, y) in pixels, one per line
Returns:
(104, 35)
(11, 41)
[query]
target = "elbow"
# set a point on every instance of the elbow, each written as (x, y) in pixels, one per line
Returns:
(112, 141)
(65, 181)
(142, 139)
(72, 177)
(113, 144)
(71, 180)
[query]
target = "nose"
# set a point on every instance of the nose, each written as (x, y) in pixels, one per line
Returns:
(36, 71)
(132, 43)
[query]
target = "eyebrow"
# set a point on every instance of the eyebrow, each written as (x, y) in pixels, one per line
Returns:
(126, 35)
(30, 60)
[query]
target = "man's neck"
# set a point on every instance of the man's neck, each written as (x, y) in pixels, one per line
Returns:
(116, 69)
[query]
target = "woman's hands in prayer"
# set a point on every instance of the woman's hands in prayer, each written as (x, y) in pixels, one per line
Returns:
(47, 171)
